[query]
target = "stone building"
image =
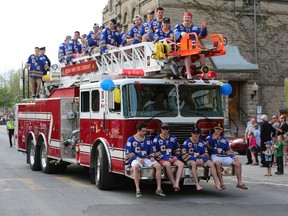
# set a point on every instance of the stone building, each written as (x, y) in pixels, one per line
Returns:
(257, 33)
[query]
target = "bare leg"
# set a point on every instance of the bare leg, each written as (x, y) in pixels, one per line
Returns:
(253, 157)
(187, 62)
(219, 172)
(195, 175)
(202, 59)
(180, 166)
(238, 170)
(167, 166)
(214, 174)
(157, 167)
(137, 177)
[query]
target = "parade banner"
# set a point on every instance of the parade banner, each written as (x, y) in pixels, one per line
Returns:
(85, 67)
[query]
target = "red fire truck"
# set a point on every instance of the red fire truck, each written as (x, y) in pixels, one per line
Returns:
(94, 104)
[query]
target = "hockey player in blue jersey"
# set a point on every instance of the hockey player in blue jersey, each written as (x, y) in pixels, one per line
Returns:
(154, 25)
(110, 38)
(132, 33)
(194, 154)
(164, 31)
(187, 27)
(74, 47)
(139, 153)
(62, 50)
(167, 153)
(221, 154)
(145, 27)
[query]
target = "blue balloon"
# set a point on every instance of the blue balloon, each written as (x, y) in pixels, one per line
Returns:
(107, 84)
(226, 89)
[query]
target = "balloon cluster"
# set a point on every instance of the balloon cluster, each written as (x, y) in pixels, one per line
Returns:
(107, 84)
(226, 89)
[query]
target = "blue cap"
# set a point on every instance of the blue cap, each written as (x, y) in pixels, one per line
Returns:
(269, 143)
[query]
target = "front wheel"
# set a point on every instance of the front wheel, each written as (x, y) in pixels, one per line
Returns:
(103, 178)
(46, 166)
(34, 156)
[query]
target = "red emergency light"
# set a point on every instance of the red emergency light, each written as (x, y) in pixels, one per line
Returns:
(210, 75)
(132, 72)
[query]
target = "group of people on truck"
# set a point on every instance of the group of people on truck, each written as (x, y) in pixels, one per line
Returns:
(38, 65)
(102, 39)
(164, 150)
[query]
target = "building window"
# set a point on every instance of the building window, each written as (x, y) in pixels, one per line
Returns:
(133, 13)
(111, 5)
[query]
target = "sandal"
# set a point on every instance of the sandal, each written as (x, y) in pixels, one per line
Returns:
(242, 186)
(176, 189)
(223, 187)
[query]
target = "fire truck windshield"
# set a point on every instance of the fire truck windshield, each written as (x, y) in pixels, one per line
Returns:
(169, 100)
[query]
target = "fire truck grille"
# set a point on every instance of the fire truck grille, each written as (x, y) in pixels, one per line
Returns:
(180, 131)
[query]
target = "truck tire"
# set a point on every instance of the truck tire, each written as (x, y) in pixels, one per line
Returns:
(34, 156)
(103, 178)
(46, 166)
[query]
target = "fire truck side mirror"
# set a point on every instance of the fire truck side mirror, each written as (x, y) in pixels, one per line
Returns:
(70, 115)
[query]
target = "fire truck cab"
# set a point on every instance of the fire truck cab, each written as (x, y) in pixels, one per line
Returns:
(94, 105)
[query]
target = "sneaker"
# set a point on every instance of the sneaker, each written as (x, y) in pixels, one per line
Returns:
(138, 194)
(160, 193)
(279, 173)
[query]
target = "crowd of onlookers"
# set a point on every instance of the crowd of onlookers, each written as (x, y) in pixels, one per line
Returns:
(270, 140)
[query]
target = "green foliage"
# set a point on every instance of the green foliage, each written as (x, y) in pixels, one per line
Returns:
(9, 88)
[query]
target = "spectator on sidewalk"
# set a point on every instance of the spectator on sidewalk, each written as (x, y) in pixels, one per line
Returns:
(258, 141)
(249, 129)
(253, 147)
(268, 157)
(278, 153)
(266, 131)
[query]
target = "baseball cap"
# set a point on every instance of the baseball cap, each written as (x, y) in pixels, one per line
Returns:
(165, 126)
(118, 24)
(268, 142)
(166, 20)
(196, 130)
(96, 25)
(138, 16)
(149, 11)
(218, 126)
(42, 48)
(68, 37)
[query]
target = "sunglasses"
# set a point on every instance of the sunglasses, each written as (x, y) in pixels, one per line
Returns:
(165, 128)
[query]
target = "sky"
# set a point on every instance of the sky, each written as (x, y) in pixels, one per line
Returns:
(26, 24)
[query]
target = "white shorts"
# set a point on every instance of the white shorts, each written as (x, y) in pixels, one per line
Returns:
(224, 160)
(147, 163)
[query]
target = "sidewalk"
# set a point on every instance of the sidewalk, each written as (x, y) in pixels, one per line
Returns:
(257, 174)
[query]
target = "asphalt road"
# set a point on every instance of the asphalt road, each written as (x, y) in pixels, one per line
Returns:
(25, 193)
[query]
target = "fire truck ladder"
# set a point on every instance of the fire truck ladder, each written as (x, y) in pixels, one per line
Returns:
(123, 61)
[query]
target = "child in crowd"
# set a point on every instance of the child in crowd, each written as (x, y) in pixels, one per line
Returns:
(268, 157)
(278, 148)
(253, 147)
